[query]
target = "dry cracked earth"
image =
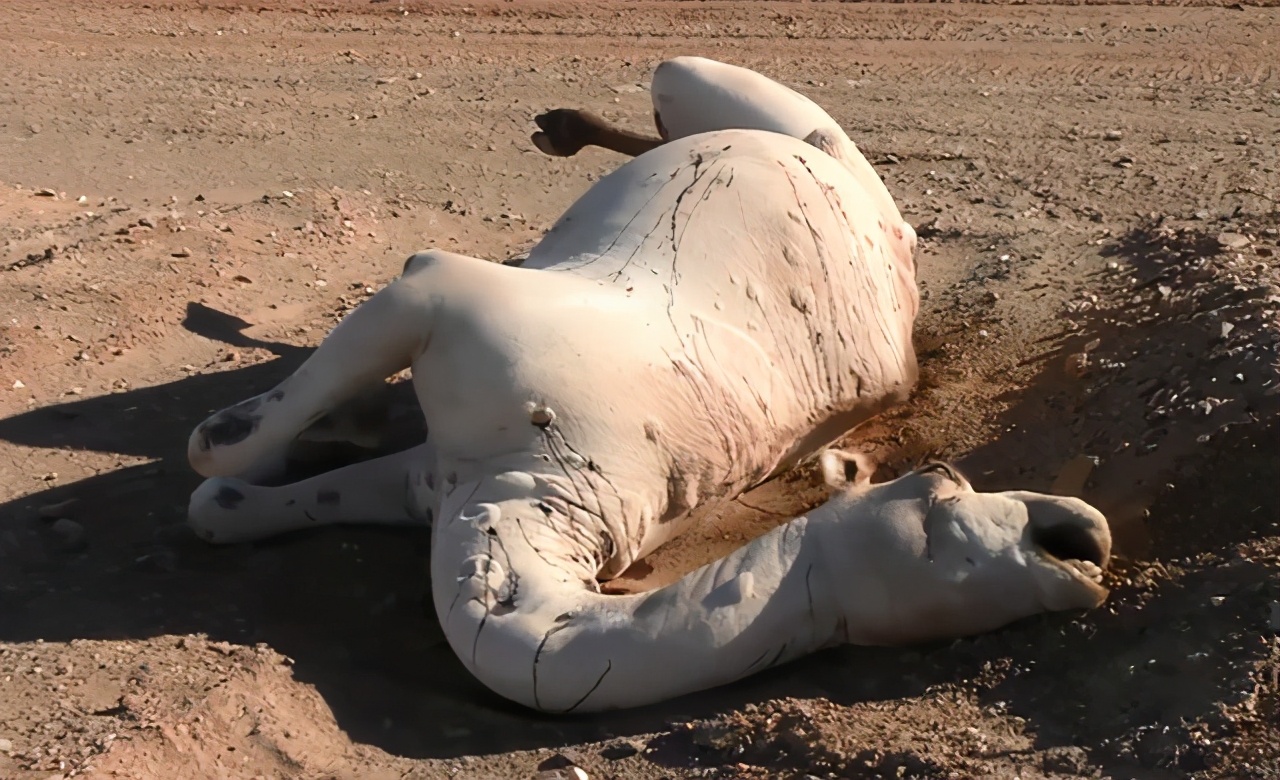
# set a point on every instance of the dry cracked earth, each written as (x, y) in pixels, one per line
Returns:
(191, 194)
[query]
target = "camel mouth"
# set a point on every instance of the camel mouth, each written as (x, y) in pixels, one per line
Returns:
(1073, 548)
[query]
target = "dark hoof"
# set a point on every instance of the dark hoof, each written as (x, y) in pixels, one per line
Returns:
(544, 144)
(564, 131)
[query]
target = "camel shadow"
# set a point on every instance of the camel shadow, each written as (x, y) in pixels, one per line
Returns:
(351, 606)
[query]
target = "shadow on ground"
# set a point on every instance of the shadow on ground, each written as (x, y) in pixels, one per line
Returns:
(351, 607)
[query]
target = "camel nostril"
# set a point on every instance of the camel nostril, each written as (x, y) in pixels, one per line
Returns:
(1066, 541)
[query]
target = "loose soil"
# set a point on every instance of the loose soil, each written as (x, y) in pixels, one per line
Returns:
(191, 195)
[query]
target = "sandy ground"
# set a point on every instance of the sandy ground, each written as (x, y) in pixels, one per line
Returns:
(192, 194)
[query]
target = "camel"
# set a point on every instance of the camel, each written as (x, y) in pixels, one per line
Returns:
(709, 315)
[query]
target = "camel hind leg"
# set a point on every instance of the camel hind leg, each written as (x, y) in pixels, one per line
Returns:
(691, 95)
(397, 489)
(382, 336)
(563, 132)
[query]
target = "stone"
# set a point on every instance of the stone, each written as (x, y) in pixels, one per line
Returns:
(1233, 241)
(69, 532)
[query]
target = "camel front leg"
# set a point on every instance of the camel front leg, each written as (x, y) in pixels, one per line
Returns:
(397, 489)
(382, 336)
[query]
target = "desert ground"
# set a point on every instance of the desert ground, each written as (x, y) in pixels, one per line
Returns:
(192, 194)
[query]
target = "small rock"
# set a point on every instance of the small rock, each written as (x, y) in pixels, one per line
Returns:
(1227, 327)
(1073, 476)
(70, 532)
(183, 252)
(621, 750)
(1233, 241)
(1113, 135)
(387, 80)
(5, 746)
(160, 560)
(45, 192)
(1067, 759)
(231, 357)
(1077, 365)
(58, 510)
(18, 385)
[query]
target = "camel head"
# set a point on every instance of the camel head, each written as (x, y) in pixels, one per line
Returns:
(952, 561)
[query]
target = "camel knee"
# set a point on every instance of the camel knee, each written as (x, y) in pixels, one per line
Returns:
(674, 75)
(419, 261)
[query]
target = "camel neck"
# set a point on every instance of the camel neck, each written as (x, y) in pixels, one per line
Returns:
(535, 633)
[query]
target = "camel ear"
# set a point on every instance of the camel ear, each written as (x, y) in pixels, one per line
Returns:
(842, 469)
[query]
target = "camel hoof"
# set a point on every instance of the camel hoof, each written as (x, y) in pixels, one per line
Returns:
(214, 508)
(564, 131)
(544, 144)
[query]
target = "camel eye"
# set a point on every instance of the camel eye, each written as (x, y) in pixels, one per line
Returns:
(945, 469)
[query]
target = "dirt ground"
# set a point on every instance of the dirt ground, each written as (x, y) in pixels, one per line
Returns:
(191, 194)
